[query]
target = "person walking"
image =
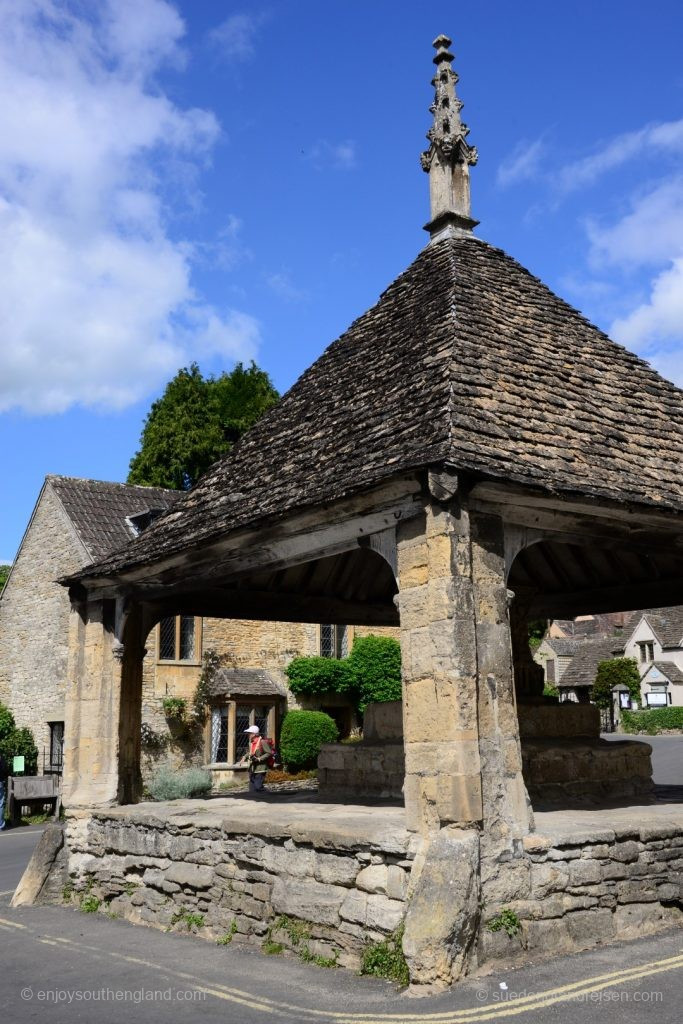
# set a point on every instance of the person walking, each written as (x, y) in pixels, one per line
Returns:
(257, 755)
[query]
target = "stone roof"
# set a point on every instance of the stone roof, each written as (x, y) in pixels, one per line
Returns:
(584, 665)
(665, 623)
(564, 647)
(669, 669)
(469, 360)
(245, 682)
(98, 510)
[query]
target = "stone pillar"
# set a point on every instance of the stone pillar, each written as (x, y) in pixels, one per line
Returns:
(103, 705)
(463, 759)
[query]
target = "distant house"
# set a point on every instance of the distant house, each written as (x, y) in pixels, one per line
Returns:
(578, 678)
(655, 640)
(555, 654)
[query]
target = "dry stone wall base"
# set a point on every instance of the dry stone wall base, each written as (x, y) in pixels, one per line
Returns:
(216, 883)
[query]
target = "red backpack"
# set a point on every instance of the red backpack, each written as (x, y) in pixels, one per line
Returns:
(273, 758)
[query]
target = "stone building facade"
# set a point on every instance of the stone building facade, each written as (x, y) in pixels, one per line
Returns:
(75, 521)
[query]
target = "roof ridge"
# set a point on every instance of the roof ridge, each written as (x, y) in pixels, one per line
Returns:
(52, 477)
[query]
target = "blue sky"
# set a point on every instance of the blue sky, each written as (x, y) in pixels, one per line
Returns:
(215, 180)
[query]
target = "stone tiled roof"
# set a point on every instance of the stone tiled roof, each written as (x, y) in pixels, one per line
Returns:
(467, 359)
(564, 647)
(665, 623)
(245, 682)
(584, 665)
(670, 670)
(98, 510)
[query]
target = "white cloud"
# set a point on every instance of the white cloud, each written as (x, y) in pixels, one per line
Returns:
(235, 37)
(341, 155)
(659, 320)
(97, 305)
(651, 231)
(281, 283)
(666, 137)
(523, 164)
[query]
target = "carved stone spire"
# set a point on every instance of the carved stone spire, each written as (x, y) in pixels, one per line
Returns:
(449, 156)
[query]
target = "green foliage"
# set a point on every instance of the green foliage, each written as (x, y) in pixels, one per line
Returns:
(90, 904)
(4, 573)
(179, 785)
(175, 708)
(189, 919)
(197, 420)
(226, 939)
(371, 672)
(614, 672)
(302, 735)
(201, 701)
(386, 960)
(153, 742)
(652, 721)
(550, 691)
(319, 675)
(537, 630)
(17, 742)
(507, 921)
(271, 948)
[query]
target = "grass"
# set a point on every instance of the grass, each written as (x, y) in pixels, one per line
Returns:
(386, 960)
(90, 904)
(271, 948)
(226, 939)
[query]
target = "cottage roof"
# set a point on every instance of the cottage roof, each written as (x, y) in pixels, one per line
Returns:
(466, 359)
(564, 647)
(665, 623)
(584, 665)
(245, 682)
(99, 510)
(669, 669)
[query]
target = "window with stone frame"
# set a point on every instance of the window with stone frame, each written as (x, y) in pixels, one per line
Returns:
(56, 746)
(334, 641)
(550, 670)
(647, 651)
(229, 741)
(179, 639)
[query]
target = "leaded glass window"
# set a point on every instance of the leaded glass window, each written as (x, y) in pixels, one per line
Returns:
(219, 735)
(167, 639)
(178, 639)
(334, 641)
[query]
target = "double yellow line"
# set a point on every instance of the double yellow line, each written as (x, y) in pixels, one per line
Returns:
(577, 990)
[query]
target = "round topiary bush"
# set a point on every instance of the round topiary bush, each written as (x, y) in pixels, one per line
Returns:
(302, 735)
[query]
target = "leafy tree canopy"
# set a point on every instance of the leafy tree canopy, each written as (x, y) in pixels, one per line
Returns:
(4, 573)
(15, 742)
(196, 420)
(613, 672)
(371, 672)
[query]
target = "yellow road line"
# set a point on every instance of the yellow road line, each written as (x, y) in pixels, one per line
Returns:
(13, 924)
(548, 997)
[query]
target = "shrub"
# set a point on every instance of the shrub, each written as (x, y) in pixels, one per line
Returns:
(652, 721)
(375, 664)
(17, 742)
(319, 675)
(303, 734)
(385, 959)
(179, 785)
(611, 673)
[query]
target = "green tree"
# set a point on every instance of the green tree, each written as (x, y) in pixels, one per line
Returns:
(4, 573)
(375, 662)
(15, 742)
(196, 420)
(614, 672)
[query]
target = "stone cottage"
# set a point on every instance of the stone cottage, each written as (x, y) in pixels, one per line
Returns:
(76, 522)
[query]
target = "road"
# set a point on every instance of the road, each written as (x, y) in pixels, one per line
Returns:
(60, 965)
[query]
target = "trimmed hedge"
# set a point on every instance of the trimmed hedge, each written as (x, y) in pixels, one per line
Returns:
(302, 735)
(371, 673)
(319, 675)
(652, 721)
(375, 664)
(179, 785)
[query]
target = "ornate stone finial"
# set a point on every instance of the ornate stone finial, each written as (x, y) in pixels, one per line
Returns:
(449, 156)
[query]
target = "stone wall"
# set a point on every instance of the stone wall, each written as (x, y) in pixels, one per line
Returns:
(327, 897)
(34, 621)
(593, 886)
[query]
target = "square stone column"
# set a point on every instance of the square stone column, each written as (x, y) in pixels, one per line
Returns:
(463, 761)
(103, 705)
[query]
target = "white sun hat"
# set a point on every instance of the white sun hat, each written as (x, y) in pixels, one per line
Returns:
(253, 729)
